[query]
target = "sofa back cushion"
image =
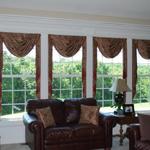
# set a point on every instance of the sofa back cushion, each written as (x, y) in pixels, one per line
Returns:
(72, 108)
(57, 108)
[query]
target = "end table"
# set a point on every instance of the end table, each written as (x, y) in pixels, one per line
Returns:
(124, 120)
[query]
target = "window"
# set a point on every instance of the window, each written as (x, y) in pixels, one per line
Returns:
(107, 70)
(67, 75)
(143, 80)
(18, 81)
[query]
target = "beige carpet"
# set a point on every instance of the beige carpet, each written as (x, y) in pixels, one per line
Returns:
(116, 146)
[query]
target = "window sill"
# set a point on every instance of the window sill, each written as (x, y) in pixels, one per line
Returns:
(11, 120)
(137, 110)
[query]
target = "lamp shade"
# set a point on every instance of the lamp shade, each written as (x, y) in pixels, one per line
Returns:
(120, 85)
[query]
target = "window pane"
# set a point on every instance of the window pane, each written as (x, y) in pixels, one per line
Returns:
(19, 96)
(107, 82)
(6, 83)
(107, 94)
(99, 82)
(6, 68)
(107, 103)
(99, 94)
(18, 108)
(56, 93)
(7, 97)
(66, 94)
(30, 83)
(30, 94)
(77, 82)
(77, 93)
(18, 83)
(6, 109)
(56, 83)
(66, 83)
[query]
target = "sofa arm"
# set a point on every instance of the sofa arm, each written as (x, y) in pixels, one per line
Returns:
(133, 133)
(34, 130)
(108, 122)
(103, 117)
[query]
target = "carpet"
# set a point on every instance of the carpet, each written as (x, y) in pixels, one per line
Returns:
(115, 146)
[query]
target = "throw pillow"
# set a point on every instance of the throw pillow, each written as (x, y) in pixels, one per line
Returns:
(46, 116)
(89, 114)
(144, 120)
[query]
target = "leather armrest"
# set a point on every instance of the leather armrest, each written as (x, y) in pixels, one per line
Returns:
(108, 122)
(109, 118)
(34, 131)
(32, 122)
(133, 133)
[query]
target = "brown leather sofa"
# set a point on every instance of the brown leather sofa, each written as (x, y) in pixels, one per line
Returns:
(135, 143)
(63, 136)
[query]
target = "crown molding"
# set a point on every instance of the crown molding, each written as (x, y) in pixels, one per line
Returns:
(72, 15)
(36, 24)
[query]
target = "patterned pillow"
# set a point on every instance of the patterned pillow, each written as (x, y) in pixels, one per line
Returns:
(46, 116)
(89, 114)
(144, 120)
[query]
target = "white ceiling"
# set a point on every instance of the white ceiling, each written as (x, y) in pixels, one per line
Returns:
(139, 9)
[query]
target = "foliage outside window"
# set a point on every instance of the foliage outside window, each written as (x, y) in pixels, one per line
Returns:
(143, 80)
(67, 80)
(18, 81)
(107, 70)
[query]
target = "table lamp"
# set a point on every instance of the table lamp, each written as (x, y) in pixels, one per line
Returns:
(119, 86)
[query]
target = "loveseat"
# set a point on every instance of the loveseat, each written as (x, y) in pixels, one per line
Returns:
(67, 133)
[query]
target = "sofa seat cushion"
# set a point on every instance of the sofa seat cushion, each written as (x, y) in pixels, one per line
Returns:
(73, 133)
(58, 135)
(87, 130)
(142, 145)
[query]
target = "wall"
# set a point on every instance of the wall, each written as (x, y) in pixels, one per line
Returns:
(13, 131)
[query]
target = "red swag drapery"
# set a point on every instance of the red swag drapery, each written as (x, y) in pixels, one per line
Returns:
(67, 46)
(20, 44)
(109, 47)
(143, 46)
(1, 67)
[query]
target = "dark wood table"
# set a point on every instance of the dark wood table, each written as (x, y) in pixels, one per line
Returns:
(123, 120)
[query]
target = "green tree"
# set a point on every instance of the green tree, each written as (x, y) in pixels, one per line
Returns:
(21, 67)
(64, 74)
